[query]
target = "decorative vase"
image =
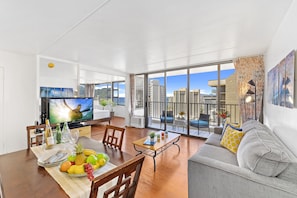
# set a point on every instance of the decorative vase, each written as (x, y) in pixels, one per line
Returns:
(152, 140)
(223, 121)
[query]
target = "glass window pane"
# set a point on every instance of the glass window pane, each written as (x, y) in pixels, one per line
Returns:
(156, 100)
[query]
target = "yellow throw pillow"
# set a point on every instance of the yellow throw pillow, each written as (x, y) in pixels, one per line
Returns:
(231, 139)
(227, 123)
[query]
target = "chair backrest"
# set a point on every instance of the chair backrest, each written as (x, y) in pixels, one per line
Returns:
(204, 117)
(38, 139)
(113, 136)
(127, 177)
(169, 113)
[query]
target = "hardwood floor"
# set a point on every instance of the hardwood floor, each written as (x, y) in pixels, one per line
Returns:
(170, 178)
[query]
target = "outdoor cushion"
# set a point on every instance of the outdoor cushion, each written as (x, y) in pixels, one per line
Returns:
(168, 119)
(199, 123)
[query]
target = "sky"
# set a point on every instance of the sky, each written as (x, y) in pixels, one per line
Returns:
(197, 81)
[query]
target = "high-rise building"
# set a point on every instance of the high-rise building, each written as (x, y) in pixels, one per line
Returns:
(156, 98)
(228, 96)
(180, 102)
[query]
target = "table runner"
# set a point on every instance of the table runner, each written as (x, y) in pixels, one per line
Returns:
(76, 187)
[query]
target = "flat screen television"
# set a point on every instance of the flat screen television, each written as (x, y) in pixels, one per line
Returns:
(71, 110)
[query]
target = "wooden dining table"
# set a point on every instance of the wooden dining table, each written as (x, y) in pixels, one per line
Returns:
(22, 177)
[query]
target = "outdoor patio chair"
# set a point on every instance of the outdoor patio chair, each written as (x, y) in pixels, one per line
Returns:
(202, 122)
(168, 119)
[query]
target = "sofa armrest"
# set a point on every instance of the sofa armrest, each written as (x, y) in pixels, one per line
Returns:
(218, 130)
(212, 178)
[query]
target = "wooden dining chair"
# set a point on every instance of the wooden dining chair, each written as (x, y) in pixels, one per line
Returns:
(113, 136)
(37, 138)
(126, 176)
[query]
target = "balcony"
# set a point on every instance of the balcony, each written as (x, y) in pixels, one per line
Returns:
(155, 110)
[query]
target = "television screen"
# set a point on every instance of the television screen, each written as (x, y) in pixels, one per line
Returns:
(70, 109)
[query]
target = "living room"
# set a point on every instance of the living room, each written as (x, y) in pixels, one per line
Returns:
(20, 69)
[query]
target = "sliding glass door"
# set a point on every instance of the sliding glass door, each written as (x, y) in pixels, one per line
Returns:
(176, 98)
(187, 100)
(156, 99)
(203, 100)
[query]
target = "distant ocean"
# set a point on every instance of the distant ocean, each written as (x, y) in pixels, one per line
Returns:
(121, 101)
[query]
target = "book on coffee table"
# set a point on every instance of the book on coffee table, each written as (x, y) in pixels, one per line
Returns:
(148, 142)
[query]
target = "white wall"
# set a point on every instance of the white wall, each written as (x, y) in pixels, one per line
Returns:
(62, 75)
(19, 99)
(284, 41)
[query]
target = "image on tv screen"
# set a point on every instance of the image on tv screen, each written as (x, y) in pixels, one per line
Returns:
(70, 109)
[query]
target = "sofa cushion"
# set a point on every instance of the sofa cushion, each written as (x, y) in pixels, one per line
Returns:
(214, 139)
(249, 125)
(287, 137)
(261, 153)
(290, 173)
(217, 153)
(231, 139)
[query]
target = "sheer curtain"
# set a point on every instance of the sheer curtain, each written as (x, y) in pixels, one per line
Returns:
(250, 68)
(132, 95)
(90, 90)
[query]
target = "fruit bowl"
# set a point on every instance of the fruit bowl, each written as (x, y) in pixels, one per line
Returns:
(95, 169)
(86, 165)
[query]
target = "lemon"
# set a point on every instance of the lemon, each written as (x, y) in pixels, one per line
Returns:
(96, 166)
(88, 152)
(101, 161)
(71, 169)
(79, 169)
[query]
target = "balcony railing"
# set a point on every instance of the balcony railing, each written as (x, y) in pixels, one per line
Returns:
(155, 110)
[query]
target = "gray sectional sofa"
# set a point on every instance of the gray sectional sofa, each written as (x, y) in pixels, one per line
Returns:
(265, 165)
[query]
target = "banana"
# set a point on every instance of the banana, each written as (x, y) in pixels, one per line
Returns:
(88, 152)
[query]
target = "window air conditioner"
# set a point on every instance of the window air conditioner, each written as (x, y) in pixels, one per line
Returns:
(137, 122)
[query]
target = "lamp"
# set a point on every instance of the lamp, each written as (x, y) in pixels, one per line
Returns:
(249, 97)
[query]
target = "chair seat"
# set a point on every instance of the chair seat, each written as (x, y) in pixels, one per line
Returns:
(168, 119)
(199, 123)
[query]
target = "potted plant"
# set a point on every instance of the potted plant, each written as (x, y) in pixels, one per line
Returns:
(181, 115)
(112, 104)
(152, 136)
(103, 103)
(224, 115)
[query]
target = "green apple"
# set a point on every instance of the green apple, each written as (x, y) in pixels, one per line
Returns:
(92, 159)
(102, 156)
(71, 158)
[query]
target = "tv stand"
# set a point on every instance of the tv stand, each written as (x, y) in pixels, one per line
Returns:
(75, 125)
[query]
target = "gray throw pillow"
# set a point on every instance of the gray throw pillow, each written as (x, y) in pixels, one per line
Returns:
(261, 153)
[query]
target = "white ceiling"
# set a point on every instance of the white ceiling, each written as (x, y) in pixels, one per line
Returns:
(136, 36)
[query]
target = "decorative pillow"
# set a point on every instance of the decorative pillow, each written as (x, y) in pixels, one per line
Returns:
(231, 139)
(233, 125)
(261, 153)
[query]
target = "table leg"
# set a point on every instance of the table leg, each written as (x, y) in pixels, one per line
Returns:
(139, 151)
(175, 143)
(155, 154)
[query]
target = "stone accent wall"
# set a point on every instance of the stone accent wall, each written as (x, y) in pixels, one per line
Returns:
(232, 98)
(250, 68)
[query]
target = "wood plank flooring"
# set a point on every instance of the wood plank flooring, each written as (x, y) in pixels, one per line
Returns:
(170, 178)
